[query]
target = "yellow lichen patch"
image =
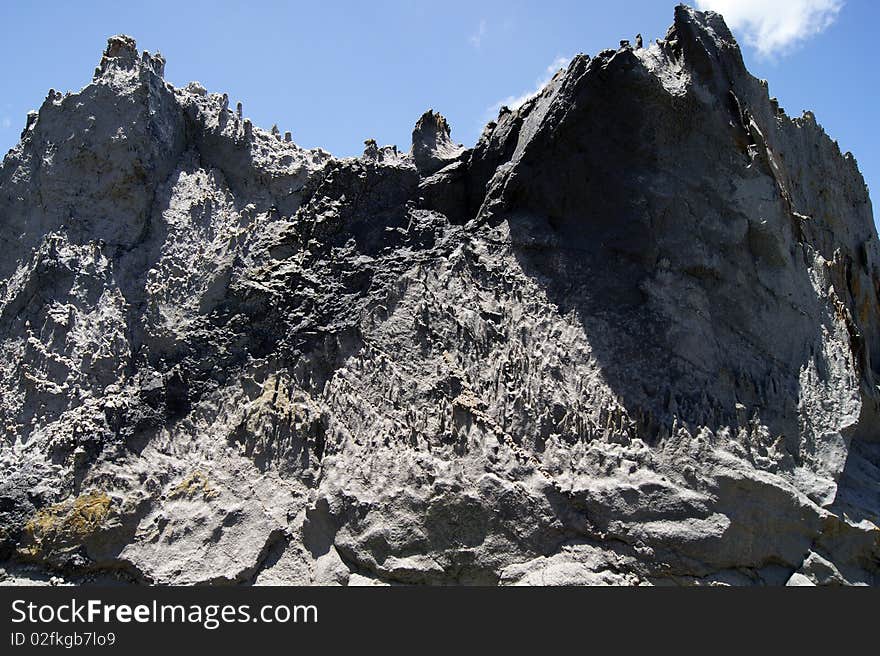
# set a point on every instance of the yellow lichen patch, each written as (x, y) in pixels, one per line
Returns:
(65, 526)
(280, 402)
(275, 397)
(194, 485)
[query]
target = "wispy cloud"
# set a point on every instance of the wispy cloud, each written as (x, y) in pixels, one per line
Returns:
(775, 26)
(7, 123)
(514, 102)
(476, 38)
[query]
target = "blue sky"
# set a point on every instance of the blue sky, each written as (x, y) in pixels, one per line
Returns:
(336, 73)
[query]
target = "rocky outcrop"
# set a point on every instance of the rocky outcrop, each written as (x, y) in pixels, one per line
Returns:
(432, 146)
(631, 337)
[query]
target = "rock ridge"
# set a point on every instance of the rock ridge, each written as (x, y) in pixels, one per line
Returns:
(630, 337)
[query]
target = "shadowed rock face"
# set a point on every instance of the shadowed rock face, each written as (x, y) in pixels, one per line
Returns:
(632, 336)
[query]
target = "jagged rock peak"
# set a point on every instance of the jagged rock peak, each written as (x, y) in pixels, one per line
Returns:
(432, 145)
(704, 38)
(122, 53)
(121, 46)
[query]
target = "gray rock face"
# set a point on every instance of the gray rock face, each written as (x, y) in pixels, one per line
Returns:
(432, 146)
(631, 337)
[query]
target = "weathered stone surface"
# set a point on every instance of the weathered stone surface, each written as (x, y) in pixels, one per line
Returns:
(630, 338)
(432, 145)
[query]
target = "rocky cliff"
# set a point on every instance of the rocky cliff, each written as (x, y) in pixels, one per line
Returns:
(632, 336)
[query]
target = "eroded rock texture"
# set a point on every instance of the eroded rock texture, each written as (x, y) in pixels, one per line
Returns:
(631, 337)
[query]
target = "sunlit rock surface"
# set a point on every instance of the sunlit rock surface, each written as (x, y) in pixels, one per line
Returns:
(631, 337)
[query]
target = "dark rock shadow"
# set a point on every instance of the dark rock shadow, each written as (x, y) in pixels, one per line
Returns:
(621, 211)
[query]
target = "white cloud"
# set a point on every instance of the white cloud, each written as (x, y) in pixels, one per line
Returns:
(476, 38)
(7, 123)
(514, 102)
(775, 26)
